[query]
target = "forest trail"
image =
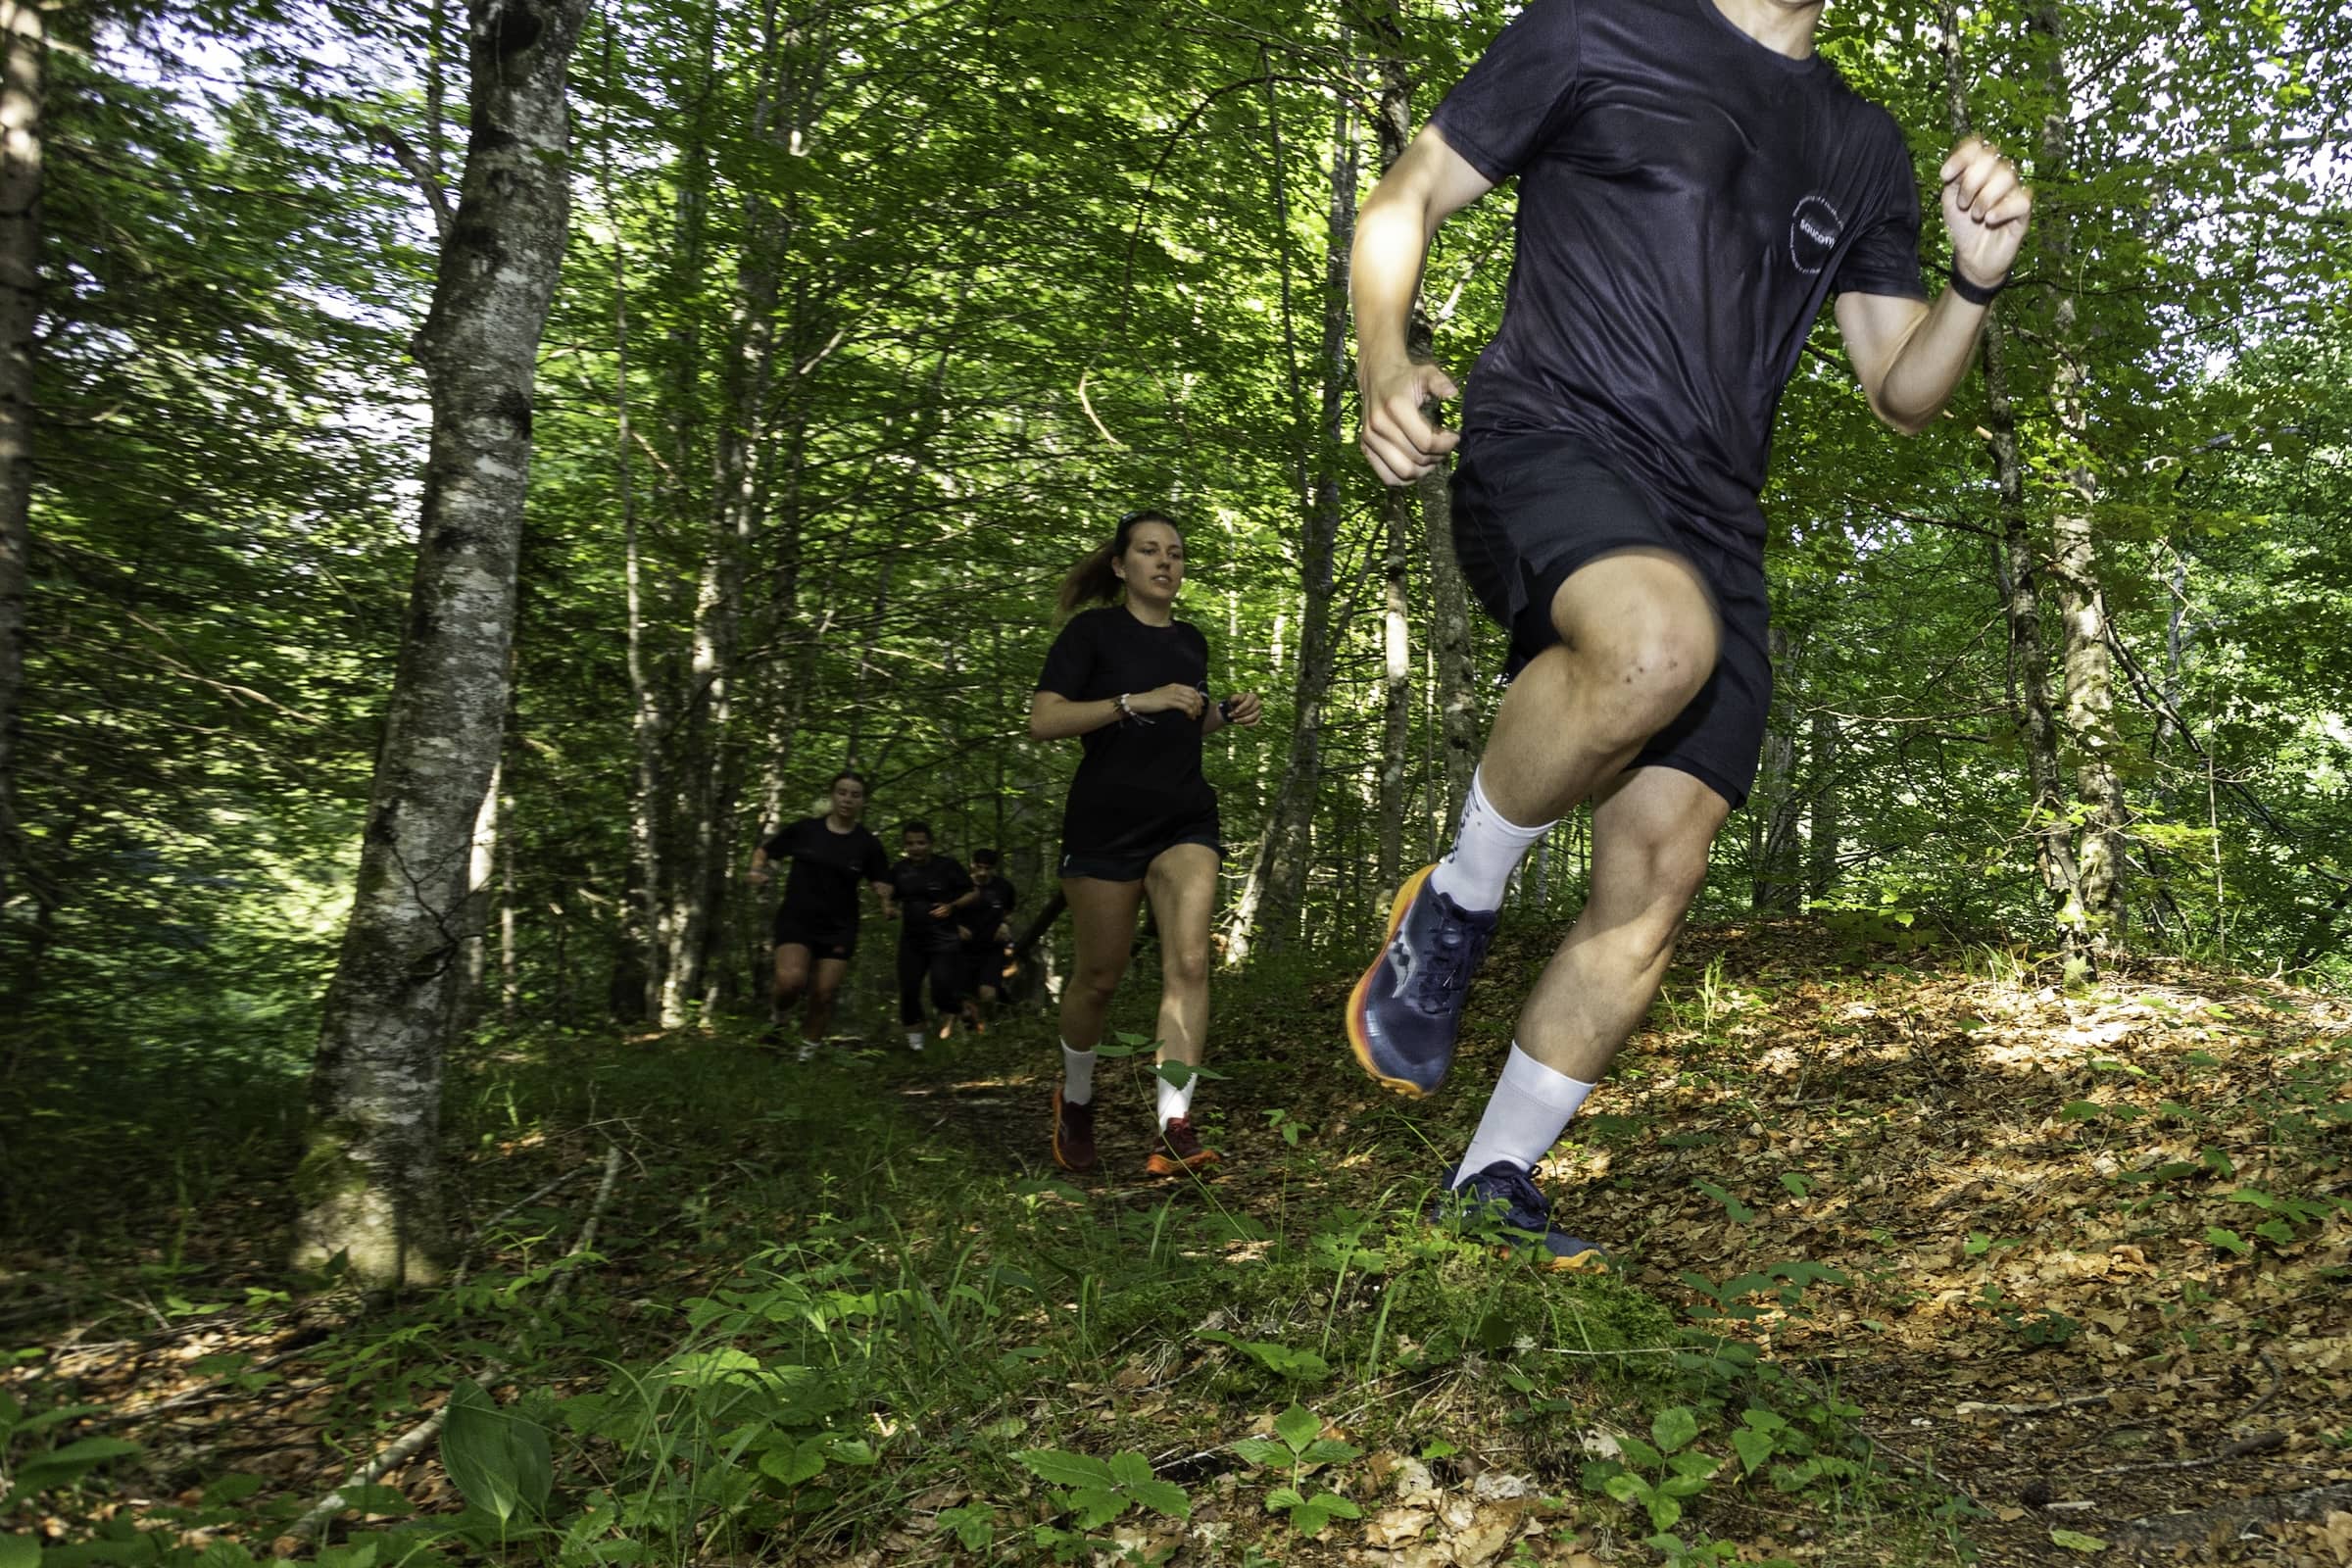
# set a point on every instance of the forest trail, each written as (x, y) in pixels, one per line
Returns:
(1895, 1227)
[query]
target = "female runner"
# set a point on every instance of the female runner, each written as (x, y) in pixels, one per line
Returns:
(1131, 681)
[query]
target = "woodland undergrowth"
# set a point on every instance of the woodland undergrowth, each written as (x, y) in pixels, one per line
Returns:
(1919, 1256)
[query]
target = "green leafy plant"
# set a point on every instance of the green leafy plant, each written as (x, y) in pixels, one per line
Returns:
(497, 1457)
(1297, 1444)
(1297, 1366)
(1098, 1491)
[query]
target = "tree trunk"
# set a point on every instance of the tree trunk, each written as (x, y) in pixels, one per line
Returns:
(367, 1184)
(1773, 813)
(2018, 567)
(473, 923)
(23, 42)
(709, 766)
(1447, 597)
(1825, 826)
(1398, 694)
(1272, 896)
(2089, 670)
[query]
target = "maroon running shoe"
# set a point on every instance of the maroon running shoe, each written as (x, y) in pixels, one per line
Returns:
(1180, 1150)
(1073, 1133)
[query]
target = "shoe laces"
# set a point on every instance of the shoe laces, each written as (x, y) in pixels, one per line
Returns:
(1505, 1183)
(1456, 948)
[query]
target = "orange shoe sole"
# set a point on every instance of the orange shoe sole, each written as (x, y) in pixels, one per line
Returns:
(1359, 1040)
(1166, 1166)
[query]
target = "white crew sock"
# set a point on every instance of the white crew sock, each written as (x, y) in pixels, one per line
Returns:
(1529, 1109)
(1486, 852)
(1175, 1102)
(915, 1039)
(1077, 1075)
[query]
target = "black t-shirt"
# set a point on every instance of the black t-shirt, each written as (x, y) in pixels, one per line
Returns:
(1141, 777)
(821, 887)
(997, 899)
(1688, 199)
(921, 884)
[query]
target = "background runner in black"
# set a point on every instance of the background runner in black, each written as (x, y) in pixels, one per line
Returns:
(1694, 183)
(1140, 820)
(931, 892)
(816, 925)
(987, 934)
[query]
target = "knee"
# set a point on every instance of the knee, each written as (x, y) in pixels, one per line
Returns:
(1644, 676)
(1096, 982)
(1185, 966)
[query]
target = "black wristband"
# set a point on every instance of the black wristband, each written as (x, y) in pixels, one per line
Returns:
(1973, 292)
(1225, 709)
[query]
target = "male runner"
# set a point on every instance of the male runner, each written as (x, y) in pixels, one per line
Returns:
(986, 933)
(1694, 183)
(931, 892)
(817, 924)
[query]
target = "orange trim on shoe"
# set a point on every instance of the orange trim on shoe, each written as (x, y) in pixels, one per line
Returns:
(1359, 1042)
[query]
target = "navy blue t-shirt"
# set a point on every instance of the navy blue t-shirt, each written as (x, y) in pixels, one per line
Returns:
(1688, 200)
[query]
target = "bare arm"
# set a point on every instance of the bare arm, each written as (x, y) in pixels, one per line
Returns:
(1423, 188)
(1909, 356)
(1055, 717)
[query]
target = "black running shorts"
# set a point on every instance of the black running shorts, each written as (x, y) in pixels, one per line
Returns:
(1529, 511)
(1129, 862)
(822, 939)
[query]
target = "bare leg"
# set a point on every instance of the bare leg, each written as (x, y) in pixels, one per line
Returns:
(1638, 640)
(791, 978)
(1102, 915)
(1183, 887)
(1651, 834)
(818, 1022)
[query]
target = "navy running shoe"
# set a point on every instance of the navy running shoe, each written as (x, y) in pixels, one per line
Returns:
(1502, 1201)
(1405, 1012)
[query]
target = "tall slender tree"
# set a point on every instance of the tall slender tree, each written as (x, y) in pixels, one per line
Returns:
(24, 40)
(368, 1182)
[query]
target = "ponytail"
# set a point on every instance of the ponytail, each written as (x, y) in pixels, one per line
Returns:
(1092, 580)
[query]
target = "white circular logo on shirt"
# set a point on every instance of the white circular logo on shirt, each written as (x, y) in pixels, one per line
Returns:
(1813, 234)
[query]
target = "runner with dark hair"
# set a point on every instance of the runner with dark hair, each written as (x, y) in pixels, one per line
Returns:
(986, 931)
(1132, 681)
(815, 928)
(932, 891)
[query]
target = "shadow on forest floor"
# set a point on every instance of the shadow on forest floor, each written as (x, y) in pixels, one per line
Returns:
(2081, 1260)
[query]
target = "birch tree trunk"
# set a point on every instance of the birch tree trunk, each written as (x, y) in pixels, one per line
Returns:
(24, 40)
(367, 1184)
(1773, 813)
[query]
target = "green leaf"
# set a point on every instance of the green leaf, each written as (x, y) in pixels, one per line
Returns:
(1097, 1508)
(231, 1488)
(1162, 1498)
(1264, 1452)
(1754, 1448)
(2227, 1241)
(1282, 1497)
(795, 1463)
(75, 1460)
(2076, 1541)
(850, 1450)
(1130, 1469)
(2081, 1111)
(498, 1458)
(1330, 1450)
(1076, 1470)
(1626, 1486)
(1298, 1426)
(20, 1551)
(1672, 1428)
(1664, 1511)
